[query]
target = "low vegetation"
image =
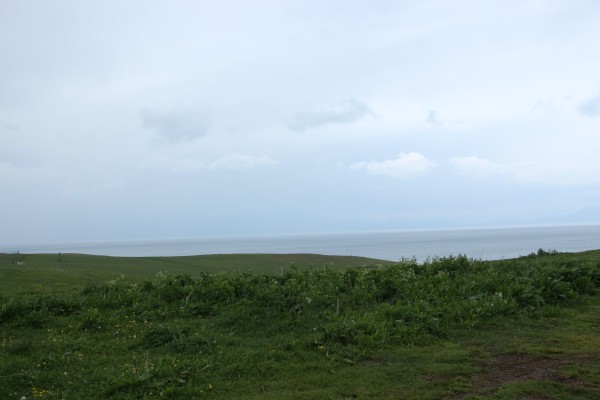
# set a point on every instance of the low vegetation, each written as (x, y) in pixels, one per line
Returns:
(51, 272)
(446, 328)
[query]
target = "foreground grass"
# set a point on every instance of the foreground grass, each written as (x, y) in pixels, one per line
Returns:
(448, 328)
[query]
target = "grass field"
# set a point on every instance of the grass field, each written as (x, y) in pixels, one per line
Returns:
(453, 328)
(50, 272)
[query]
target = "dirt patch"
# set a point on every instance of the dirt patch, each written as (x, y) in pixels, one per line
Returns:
(518, 367)
(507, 368)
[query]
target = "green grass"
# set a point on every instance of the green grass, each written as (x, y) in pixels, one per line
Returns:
(448, 328)
(50, 272)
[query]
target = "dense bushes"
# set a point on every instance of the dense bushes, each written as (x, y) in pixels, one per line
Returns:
(406, 302)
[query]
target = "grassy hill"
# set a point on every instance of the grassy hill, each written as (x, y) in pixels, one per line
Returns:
(449, 328)
(48, 272)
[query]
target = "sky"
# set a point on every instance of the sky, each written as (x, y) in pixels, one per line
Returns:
(143, 119)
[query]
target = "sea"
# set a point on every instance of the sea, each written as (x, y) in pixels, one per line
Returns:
(483, 244)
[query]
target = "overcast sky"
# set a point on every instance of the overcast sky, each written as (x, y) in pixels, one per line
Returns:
(178, 119)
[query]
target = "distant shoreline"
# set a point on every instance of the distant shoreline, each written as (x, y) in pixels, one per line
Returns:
(487, 244)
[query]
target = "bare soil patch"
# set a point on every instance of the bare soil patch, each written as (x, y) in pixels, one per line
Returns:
(514, 367)
(507, 368)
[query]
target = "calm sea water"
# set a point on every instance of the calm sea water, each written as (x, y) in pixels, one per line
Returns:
(486, 244)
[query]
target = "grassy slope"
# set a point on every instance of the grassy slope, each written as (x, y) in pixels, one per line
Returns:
(556, 357)
(47, 272)
(548, 350)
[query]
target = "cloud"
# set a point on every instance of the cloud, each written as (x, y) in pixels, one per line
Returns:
(433, 118)
(342, 112)
(175, 126)
(590, 108)
(406, 166)
(237, 161)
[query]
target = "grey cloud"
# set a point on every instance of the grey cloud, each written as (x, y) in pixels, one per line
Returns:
(342, 112)
(176, 126)
(591, 107)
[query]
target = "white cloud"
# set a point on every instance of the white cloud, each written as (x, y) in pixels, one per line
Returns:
(406, 166)
(237, 161)
(342, 112)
